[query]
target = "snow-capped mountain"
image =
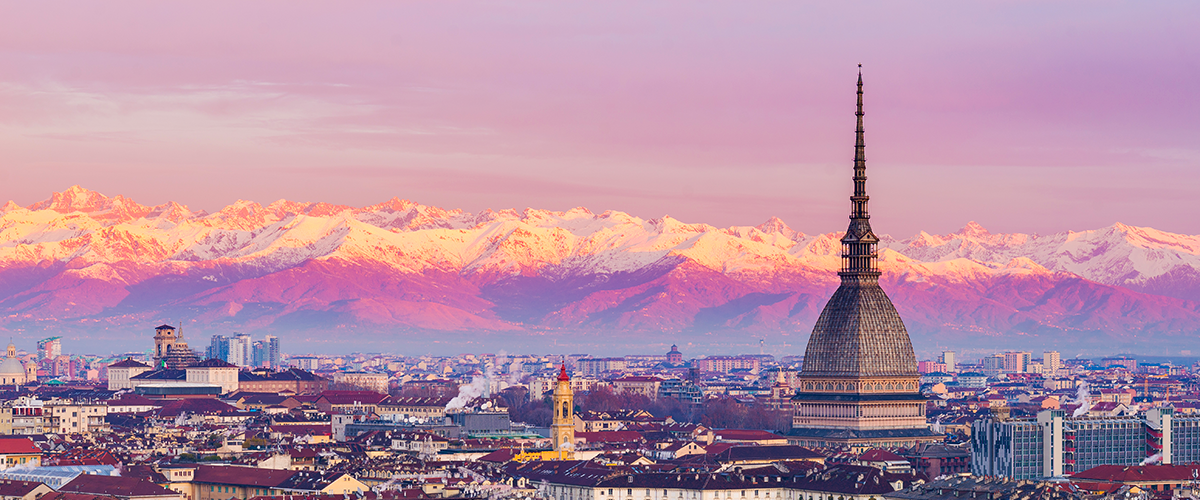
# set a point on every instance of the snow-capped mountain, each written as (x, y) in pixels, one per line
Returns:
(84, 262)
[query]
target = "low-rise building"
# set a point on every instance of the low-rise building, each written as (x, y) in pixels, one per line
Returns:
(363, 381)
(19, 452)
(65, 416)
(121, 373)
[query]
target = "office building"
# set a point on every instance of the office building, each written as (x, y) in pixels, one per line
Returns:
(1056, 443)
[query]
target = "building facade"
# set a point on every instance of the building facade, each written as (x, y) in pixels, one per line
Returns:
(366, 381)
(121, 373)
(1054, 443)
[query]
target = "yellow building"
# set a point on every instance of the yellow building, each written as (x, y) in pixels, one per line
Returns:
(562, 431)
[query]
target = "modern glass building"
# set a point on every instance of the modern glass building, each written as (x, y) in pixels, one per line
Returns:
(1054, 444)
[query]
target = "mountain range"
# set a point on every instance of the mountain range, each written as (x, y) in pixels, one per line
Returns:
(104, 269)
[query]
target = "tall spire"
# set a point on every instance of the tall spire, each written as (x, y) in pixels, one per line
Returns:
(858, 245)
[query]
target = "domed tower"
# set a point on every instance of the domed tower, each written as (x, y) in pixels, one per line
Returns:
(12, 371)
(562, 431)
(859, 382)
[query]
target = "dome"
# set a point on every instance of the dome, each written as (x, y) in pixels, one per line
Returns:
(11, 367)
(859, 334)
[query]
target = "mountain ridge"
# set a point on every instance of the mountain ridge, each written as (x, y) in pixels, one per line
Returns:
(81, 261)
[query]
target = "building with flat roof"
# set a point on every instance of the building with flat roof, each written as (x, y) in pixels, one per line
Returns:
(1057, 443)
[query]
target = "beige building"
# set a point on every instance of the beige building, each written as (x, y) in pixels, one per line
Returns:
(12, 370)
(642, 386)
(214, 372)
(64, 416)
(120, 373)
(364, 381)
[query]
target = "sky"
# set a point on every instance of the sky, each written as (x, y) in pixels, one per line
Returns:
(1023, 116)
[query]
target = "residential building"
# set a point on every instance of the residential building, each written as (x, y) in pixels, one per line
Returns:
(1051, 362)
(19, 452)
(49, 349)
(597, 366)
(28, 416)
(948, 359)
(366, 381)
(1016, 362)
(641, 386)
(66, 416)
(726, 364)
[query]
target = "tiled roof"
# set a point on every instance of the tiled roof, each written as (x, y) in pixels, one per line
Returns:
(15, 488)
(351, 397)
(241, 476)
(14, 445)
(124, 487)
(1140, 473)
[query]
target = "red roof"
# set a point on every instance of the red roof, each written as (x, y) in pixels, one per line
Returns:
(351, 397)
(241, 476)
(562, 374)
(878, 455)
(15, 488)
(18, 446)
(124, 487)
(1140, 473)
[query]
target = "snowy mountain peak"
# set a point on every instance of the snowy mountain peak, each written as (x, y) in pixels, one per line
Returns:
(973, 231)
(98, 206)
(10, 206)
(775, 225)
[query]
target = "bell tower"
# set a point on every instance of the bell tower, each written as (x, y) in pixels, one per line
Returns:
(164, 338)
(562, 432)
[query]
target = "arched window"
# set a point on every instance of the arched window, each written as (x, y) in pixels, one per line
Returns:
(840, 387)
(566, 410)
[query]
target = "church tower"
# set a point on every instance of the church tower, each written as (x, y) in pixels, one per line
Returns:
(164, 338)
(859, 383)
(562, 431)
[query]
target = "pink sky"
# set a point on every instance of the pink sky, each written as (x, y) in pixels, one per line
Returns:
(1024, 116)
